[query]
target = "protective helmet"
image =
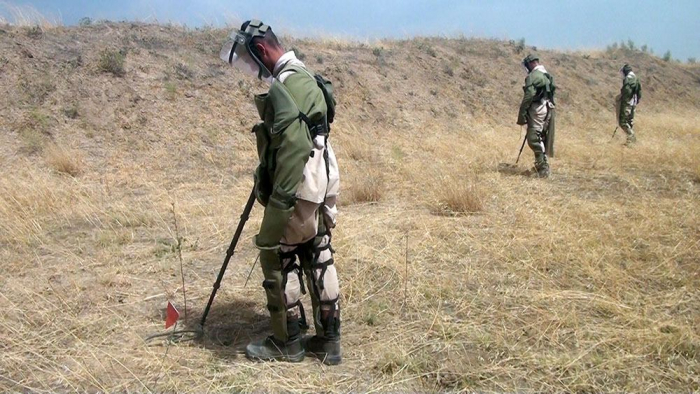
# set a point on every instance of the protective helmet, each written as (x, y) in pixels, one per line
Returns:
(530, 58)
(239, 52)
(626, 69)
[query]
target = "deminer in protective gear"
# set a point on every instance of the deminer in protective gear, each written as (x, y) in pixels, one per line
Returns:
(537, 111)
(297, 181)
(626, 102)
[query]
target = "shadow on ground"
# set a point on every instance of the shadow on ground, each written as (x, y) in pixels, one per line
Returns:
(230, 326)
(512, 169)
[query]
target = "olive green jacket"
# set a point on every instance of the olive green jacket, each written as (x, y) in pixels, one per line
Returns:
(536, 84)
(284, 145)
(630, 94)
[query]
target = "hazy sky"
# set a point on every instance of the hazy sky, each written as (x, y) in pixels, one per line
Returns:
(663, 25)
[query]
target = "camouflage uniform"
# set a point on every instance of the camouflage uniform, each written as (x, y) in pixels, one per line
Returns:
(630, 95)
(534, 108)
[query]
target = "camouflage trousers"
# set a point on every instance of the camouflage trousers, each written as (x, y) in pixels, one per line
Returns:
(626, 122)
(535, 126)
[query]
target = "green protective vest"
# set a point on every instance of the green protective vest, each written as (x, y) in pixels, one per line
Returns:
(537, 85)
(284, 145)
(630, 87)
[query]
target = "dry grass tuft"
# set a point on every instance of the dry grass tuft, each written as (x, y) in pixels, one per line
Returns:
(64, 161)
(458, 196)
(26, 16)
(364, 187)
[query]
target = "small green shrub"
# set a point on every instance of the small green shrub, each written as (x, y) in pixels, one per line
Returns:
(34, 132)
(171, 90)
(36, 92)
(71, 111)
(183, 72)
(35, 32)
(667, 56)
(448, 70)
(112, 62)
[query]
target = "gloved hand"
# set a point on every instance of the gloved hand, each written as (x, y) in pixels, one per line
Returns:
(263, 186)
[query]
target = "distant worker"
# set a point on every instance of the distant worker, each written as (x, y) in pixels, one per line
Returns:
(626, 102)
(537, 111)
(297, 181)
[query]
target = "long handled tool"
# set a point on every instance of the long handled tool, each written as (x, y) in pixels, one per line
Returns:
(521, 149)
(198, 331)
(229, 253)
(613, 136)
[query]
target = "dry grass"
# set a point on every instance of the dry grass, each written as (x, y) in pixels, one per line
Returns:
(584, 282)
(366, 186)
(64, 161)
(25, 15)
(457, 196)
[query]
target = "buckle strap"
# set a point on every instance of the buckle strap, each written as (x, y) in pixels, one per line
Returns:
(327, 247)
(329, 302)
(288, 255)
(324, 268)
(303, 324)
(315, 129)
(288, 270)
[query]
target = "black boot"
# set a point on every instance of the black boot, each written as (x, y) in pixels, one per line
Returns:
(327, 347)
(272, 349)
(542, 169)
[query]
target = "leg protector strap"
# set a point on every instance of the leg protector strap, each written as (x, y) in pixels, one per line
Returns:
(291, 266)
(302, 315)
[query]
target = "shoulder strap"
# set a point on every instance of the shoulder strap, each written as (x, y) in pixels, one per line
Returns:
(315, 129)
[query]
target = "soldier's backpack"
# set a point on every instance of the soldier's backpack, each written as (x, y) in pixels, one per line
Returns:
(327, 88)
(552, 88)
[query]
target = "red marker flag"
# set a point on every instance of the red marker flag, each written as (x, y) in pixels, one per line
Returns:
(171, 315)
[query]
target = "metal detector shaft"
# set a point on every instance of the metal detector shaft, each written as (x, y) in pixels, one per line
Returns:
(521, 149)
(229, 254)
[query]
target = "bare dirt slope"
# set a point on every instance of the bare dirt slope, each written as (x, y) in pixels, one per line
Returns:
(458, 272)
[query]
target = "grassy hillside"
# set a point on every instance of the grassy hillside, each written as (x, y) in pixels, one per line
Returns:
(126, 146)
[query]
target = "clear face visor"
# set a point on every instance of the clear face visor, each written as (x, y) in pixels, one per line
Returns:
(235, 52)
